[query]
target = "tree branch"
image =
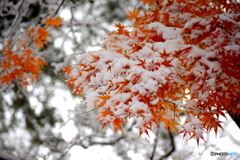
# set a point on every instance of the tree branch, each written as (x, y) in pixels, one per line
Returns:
(8, 156)
(172, 144)
(58, 8)
(155, 143)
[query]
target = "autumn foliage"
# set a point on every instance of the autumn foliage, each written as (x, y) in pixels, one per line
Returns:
(177, 65)
(22, 59)
(181, 57)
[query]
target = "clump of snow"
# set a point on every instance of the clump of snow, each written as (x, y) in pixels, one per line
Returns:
(151, 85)
(91, 99)
(138, 106)
(74, 73)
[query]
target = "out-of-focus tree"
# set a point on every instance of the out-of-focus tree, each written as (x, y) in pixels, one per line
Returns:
(27, 114)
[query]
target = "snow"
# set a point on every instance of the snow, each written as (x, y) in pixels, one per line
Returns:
(199, 132)
(139, 88)
(121, 97)
(74, 73)
(196, 122)
(201, 21)
(139, 122)
(145, 52)
(211, 82)
(90, 99)
(188, 127)
(151, 85)
(78, 81)
(155, 101)
(168, 33)
(138, 106)
(106, 76)
(119, 65)
(119, 112)
(169, 46)
(234, 47)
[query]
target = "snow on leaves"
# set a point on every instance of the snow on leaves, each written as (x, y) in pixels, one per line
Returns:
(179, 59)
(22, 59)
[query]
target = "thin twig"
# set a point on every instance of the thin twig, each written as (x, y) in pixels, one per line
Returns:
(16, 19)
(172, 144)
(155, 142)
(58, 8)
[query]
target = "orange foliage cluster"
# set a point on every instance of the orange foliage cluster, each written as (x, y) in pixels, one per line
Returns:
(182, 57)
(21, 59)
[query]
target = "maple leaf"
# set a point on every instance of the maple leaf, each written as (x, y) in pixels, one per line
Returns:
(103, 125)
(5, 79)
(8, 53)
(167, 63)
(95, 58)
(121, 29)
(103, 97)
(40, 62)
(67, 70)
(39, 36)
(133, 14)
(27, 52)
(90, 67)
(117, 124)
(8, 43)
(164, 53)
(42, 33)
(53, 22)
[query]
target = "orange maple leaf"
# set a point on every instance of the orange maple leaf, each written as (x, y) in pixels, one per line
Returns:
(103, 97)
(8, 52)
(5, 79)
(53, 22)
(133, 14)
(39, 35)
(117, 124)
(67, 70)
(95, 58)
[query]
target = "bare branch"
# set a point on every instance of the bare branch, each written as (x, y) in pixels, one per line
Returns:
(58, 8)
(16, 20)
(155, 143)
(172, 144)
(7, 156)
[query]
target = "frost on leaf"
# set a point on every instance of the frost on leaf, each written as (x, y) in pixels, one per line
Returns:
(181, 58)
